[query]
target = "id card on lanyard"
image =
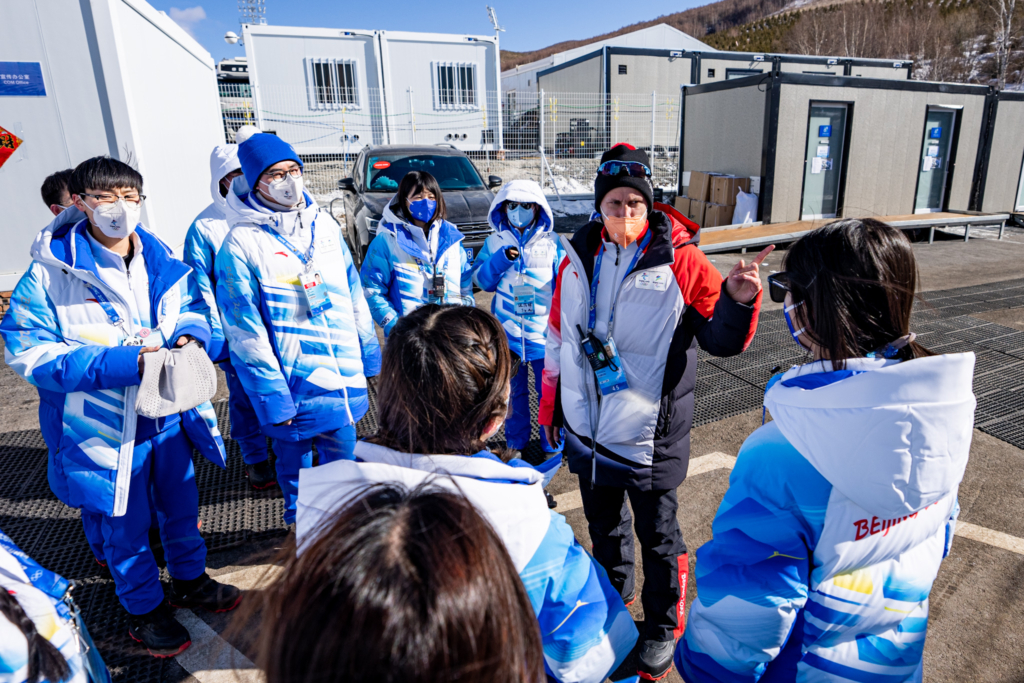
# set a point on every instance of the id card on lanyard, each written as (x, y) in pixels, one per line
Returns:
(524, 296)
(607, 366)
(313, 286)
(115, 318)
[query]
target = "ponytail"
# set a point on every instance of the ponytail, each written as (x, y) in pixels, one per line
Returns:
(44, 660)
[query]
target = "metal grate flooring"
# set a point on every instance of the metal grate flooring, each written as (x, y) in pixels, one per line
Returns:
(234, 515)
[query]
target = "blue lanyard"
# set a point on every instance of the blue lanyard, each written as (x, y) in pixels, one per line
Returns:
(308, 258)
(519, 235)
(104, 302)
(592, 319)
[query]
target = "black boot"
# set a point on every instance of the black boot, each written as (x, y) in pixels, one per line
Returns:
(261, 475)
(158, 632)
(655, 659)
(206, 593)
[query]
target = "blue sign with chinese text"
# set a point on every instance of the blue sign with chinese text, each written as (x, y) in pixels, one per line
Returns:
(21, 79)
(935, 133)
(824, 131)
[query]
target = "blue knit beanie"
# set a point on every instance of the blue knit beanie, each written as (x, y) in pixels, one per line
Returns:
(262, 151)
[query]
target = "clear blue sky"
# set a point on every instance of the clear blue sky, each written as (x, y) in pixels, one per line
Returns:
(529, 24)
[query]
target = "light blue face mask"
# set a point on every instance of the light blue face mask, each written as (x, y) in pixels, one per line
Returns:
(521, 217)
(423, 209)
(792, 330)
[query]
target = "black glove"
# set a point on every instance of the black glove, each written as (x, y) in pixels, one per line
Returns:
(511, 253)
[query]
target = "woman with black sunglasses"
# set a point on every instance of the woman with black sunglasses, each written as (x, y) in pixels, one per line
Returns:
(633, 298)
(839, 511)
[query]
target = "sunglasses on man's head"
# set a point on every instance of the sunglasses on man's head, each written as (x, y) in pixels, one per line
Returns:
(778, 285)
(634, 169)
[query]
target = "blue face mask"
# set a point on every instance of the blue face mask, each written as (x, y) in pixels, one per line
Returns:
(423, 209)
(792, 330)
(521, 217)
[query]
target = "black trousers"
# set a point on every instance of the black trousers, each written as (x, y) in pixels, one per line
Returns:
(661, 548)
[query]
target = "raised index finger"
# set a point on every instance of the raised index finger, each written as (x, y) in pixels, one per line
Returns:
(763, 255)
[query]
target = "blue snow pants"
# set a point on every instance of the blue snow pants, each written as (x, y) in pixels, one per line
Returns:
(294, 455)
(245, 427)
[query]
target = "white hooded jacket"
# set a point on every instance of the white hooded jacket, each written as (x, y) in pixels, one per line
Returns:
(203, 240)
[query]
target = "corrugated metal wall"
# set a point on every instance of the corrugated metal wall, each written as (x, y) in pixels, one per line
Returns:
(583, 77)
(647, 73)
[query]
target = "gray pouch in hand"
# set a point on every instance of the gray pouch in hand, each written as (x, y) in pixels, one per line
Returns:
(175, 380)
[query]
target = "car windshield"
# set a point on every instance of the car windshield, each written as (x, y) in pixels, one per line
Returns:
(385, 171)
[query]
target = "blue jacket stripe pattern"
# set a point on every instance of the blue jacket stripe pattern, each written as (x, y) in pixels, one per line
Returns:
(59, 339)
(397, 272)
(293, 366)
(579, 612)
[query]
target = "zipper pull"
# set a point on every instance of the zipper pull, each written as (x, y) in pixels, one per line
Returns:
(617, 250)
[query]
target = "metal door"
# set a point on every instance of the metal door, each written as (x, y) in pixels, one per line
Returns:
(934, 163)
(823, 164)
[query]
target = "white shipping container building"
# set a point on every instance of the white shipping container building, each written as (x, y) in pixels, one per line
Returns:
(332, 91)
(110, 77)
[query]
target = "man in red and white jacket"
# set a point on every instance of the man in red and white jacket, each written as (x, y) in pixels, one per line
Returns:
(657, 296)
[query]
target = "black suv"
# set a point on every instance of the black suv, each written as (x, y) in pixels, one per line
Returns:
(375, 177)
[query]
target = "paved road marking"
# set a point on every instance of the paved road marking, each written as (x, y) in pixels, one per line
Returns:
(210, 658)
(571, 501)
(990, 537)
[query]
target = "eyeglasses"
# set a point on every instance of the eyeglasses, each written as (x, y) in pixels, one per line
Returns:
(778, 285)
(277, 176)
(512, 206)
(135, 199)
(634, 169)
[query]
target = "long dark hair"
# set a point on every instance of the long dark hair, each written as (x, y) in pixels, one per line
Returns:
(398, 587)
(444, 377)
(44, 660)
(856, 279)
(413, 183)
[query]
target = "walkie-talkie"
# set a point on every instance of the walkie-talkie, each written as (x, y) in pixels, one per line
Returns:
(593, 349)
(438, 291)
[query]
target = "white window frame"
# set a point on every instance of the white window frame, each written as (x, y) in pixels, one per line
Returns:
(458, 99)
(316, 99)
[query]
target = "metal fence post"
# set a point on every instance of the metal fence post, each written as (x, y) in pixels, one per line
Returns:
(654, 109)
(412, 117)
(540, 130)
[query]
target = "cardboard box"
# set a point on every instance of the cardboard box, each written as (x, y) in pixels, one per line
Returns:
(716, 215)
(700, 186)
(683, 206)
(725, 187)
(696, 213)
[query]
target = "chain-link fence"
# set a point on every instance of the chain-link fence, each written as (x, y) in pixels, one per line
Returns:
(555, 139)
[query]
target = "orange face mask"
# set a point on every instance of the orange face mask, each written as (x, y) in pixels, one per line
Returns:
(622, 230)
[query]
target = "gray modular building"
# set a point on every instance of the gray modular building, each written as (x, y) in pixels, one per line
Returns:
(1001, 183)
(626, 70)
(820, 146)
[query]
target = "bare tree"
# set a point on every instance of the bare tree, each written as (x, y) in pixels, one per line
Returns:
(1003, 36)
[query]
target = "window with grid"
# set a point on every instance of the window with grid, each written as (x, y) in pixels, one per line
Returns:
(455, 86)
(332, 83)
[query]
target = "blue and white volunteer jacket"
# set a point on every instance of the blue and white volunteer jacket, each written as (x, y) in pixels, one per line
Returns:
(203, 240)
(294, 367)
(836, 520)
(61, 337)
(40, 593)
(540, 252)
(398, 271)
(585, 628)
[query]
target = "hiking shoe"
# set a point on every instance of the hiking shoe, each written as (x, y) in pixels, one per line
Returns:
(261, 475)
(158, 632)
(552, 503)
(206, 593)
(655, 659)
(629, 599)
